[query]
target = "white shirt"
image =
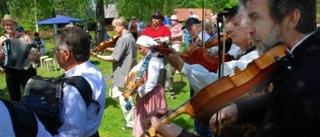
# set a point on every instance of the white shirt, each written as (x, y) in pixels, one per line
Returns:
(234, 50)
(154, 68)
(199, 77)
(77, 119)
(205, 36)
(7, 127)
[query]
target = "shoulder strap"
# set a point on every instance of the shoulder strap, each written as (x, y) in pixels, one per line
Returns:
(84, 88)
(23, 119)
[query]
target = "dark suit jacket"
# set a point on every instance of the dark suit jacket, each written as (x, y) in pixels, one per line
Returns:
(293, 108)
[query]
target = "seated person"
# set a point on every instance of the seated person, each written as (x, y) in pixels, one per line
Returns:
(40, 43)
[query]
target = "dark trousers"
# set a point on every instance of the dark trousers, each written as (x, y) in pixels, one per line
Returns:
(17, 78)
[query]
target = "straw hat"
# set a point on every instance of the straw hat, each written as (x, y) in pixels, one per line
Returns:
(7, 17)
(174, 17)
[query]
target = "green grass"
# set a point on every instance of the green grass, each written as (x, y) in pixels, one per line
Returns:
(113, 119)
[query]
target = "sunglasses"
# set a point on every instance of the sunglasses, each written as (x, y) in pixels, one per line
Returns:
(156, 17)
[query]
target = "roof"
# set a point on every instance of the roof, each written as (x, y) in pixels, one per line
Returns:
(110, 11)
(60, 19)
(183, 13)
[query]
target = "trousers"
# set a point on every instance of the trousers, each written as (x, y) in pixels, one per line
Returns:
(116, 92)
(17, 79)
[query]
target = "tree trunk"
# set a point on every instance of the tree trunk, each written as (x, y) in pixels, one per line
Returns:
(4, 8)
(100, 23)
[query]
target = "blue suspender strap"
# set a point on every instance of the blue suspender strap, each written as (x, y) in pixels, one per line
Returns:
(144, 65)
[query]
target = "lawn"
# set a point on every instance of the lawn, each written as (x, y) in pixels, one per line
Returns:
(113, 119)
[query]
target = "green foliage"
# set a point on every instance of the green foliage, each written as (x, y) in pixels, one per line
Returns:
(27, 12)
(145, 8)
(1, 32)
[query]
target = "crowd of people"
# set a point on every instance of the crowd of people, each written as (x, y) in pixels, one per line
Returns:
(286, 106)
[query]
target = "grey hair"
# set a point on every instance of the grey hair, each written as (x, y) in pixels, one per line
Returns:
(279, 9)
(76, 40)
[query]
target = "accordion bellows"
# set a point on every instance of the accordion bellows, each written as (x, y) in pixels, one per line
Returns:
(15, 54)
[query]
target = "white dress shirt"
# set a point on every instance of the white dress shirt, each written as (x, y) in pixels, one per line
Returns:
(78, 121)
(199, 77)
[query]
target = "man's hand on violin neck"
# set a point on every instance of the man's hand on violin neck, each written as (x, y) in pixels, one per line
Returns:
(162, 39)
(228, 116)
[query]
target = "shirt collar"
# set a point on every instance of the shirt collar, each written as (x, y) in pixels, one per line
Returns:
(82, 66)
(298, 43)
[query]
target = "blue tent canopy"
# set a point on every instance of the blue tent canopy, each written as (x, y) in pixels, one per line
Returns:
(60, 20)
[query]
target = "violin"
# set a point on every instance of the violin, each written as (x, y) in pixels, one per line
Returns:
(227, 89)
(199, 55)
(107, 43)
(132, 85)
(214, 42)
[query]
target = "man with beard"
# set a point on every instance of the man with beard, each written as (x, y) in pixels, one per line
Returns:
(292, 108)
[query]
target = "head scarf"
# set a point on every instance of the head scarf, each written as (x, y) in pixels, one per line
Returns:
(146, 41)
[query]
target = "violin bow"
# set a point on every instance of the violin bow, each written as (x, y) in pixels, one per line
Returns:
(202, 34)
(221, 59)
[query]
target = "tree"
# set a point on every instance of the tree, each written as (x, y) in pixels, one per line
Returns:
(4, 8)
(99, 22)
(28, 11)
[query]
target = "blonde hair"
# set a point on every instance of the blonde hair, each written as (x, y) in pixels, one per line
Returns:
(209, 26)
(120, 21)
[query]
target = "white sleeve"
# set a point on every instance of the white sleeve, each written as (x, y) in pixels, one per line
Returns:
(198, 76)
(73, 113)
(234, 50)
(213, 50)
(240, 63)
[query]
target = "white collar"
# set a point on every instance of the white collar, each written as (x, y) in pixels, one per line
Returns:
(298, 43)
(82, 66)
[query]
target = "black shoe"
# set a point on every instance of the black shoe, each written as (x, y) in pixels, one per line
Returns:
(172, 95)
(125, 127)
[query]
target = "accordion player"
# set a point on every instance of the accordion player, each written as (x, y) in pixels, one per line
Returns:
(16, 53)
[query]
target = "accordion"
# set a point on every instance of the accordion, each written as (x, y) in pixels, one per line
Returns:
(16, 54)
